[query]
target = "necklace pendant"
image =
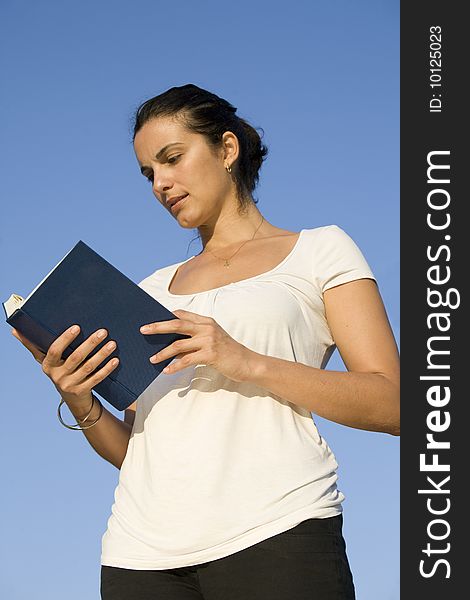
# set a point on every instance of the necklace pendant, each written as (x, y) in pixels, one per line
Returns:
(226, 263)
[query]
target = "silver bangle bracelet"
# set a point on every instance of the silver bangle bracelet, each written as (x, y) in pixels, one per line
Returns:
(79, 423)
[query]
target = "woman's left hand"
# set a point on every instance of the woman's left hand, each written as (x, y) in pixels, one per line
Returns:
(209, 344)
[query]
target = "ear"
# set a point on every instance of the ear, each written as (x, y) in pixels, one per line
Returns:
(231, 147)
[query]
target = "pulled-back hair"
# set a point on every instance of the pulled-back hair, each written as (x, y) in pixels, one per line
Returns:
(205, 113)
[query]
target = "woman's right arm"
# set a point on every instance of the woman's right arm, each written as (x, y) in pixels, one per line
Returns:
(74, 379)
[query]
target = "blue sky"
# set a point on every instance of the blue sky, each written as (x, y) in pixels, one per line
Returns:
(322, 80)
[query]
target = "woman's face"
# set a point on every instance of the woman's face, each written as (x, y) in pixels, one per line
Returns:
(179, 162)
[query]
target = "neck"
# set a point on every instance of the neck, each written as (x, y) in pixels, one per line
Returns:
(232, 229)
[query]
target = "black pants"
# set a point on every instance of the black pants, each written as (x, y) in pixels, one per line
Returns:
(307, 562)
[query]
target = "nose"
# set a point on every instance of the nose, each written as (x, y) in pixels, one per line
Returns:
(161, 185)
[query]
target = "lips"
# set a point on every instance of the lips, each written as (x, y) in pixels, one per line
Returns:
(172, 201)
(176, 203)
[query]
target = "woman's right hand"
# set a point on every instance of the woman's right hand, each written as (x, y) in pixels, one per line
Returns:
(74, 377)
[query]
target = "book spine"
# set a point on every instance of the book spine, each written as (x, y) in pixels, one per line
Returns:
(37, 333)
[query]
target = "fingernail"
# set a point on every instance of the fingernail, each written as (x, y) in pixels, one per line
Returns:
(74, 329)
(145, 328)
(101, 333)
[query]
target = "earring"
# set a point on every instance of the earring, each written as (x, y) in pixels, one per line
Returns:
(228, 168)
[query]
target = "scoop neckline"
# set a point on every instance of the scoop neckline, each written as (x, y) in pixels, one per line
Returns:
(220, 287)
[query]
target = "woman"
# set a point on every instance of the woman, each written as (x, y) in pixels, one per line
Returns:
(227, 490)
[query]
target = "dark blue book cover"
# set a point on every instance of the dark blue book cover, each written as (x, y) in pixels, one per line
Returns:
(86, 290)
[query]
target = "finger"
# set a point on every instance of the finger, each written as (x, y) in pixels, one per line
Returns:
(100, 375)
(191, 316)
(174, 325)
(88, 367)
(80, 354)
(180, 346)
(185, 361)
(53, 357)
(38, 354)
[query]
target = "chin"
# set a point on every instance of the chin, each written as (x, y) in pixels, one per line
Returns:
(190, 219)
(187, 222)
(185, 225)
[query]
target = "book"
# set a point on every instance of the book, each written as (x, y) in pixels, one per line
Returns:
(85, 289)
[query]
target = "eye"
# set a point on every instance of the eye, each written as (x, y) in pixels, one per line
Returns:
(173, 159)
(149, 178)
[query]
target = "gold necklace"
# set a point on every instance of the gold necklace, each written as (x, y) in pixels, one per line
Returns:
(226, 260)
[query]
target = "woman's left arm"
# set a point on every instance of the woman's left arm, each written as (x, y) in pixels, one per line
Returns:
(367, 396)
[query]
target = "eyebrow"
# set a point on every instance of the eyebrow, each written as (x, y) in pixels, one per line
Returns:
(160, 153)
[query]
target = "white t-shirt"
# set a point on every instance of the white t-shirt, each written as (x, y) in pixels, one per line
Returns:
(214, 466)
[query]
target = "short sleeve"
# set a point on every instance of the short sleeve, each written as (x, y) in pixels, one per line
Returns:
(338, 259)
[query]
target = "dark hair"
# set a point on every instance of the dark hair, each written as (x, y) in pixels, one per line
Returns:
(205, 113)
